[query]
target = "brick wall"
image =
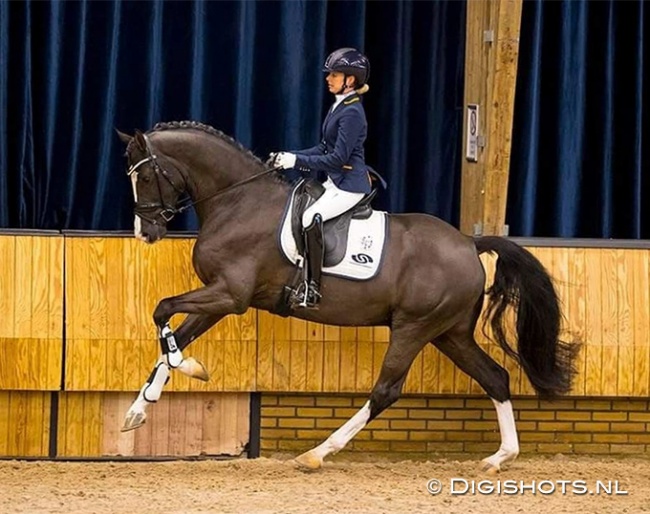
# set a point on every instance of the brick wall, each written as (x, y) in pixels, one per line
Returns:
(445, 426)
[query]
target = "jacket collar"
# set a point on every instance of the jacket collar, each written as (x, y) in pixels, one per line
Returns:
(341, 98)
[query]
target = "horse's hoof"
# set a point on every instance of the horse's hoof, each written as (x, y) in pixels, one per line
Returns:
(193, 368)
(489, 468)
(133, 420)
(309, 461)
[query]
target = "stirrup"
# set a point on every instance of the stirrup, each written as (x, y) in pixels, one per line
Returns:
(306, 295)
(313, 296)
(297, 294)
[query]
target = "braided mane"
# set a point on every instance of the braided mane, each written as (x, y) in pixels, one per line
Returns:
(176, 125)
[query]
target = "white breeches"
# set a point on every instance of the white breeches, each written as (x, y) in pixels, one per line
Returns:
(334, 201)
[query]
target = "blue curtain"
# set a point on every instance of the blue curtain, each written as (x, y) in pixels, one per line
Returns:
(581, 139)
(71, 72)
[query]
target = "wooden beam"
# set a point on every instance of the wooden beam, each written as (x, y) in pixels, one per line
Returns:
(492, 49)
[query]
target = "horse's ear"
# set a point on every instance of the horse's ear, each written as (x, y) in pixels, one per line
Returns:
(139, 140)
(125, 138)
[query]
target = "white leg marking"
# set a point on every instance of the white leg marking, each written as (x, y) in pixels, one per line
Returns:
(509, 448)
(343, 435)
(137, 222)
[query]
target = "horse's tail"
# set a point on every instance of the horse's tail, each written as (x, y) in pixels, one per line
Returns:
(522, 282)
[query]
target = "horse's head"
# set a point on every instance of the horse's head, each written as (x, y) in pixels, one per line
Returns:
(157, 186)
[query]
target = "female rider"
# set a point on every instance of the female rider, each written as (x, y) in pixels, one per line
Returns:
(340, 156)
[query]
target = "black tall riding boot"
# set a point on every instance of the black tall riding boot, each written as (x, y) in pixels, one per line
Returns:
(314, 253)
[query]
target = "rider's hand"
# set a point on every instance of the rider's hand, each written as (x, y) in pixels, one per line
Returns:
(285, 160)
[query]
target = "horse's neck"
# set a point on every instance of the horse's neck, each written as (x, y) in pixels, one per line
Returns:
(251, 211)
(215, 168)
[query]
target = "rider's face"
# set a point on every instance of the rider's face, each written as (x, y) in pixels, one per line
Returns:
(335, 82)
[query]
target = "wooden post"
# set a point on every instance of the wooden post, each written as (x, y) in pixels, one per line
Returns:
(492, 48)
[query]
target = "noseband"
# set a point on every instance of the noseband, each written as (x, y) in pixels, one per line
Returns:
(143, 209)
(167, 212)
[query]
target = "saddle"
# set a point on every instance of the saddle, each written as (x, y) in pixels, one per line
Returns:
(335, 231)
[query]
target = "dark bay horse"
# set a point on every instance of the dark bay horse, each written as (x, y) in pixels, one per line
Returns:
(429, 290)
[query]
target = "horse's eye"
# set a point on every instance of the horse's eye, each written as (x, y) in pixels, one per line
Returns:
(146, 178)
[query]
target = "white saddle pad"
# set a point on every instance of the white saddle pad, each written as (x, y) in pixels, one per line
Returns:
(365, 246)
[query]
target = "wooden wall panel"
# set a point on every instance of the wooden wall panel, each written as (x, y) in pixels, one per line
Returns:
(609, 322)
(31, 310)
(575, 305)
(604, 294)
(300, 356)
(114, 285)
(604, 297)
(24, 423)
(79, 417)
(641, 315)
(179, 425)
(30, 364)
(593, 334)
(8, 286)
(624, 287)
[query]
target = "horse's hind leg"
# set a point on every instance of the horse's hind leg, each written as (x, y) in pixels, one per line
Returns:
(459, 345)
(192, 327)
(398, 359)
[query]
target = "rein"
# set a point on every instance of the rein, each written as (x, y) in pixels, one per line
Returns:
(168, 212)
(229, 188)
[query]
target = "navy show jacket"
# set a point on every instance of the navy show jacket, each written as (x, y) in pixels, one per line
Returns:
(340, 154)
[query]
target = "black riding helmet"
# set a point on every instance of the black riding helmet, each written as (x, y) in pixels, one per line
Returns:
(350, 62)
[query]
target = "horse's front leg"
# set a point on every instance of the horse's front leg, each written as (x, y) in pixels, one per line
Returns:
(192, 327)
(214, 301)
(205, 307)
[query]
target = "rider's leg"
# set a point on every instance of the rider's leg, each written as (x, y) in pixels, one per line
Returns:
(315, 254)
(333, 202)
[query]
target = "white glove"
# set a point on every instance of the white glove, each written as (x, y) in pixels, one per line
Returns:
(285, 160)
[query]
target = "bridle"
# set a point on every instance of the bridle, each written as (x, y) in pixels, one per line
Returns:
(167, 212)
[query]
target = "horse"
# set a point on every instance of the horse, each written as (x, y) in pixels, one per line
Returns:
(429, 290)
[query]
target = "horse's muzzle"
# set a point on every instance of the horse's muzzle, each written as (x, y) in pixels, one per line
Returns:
(150, 232)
